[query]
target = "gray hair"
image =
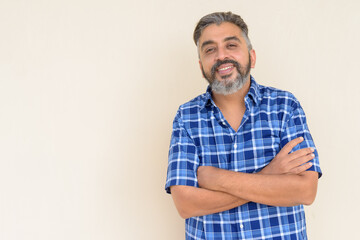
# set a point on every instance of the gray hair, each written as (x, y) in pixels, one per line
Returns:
(218, 18)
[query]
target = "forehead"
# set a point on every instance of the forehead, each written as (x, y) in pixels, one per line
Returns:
(218, 33)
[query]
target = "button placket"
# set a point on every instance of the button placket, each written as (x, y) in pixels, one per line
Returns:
(235, 141)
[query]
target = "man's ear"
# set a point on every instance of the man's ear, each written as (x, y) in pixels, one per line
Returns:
(253, 58)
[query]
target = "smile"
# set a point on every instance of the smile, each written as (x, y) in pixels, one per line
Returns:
(224, 70)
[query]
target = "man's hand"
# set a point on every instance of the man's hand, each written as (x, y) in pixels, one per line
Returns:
(293, 163)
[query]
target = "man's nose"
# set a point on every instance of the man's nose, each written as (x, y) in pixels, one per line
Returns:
(222, 54)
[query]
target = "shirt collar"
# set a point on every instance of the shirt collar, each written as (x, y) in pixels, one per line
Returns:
(253, 94)
(254, 91)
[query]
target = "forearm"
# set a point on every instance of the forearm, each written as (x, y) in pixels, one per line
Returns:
(192, 201)
(276, 190)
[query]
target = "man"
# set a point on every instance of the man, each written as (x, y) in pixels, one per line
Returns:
(242, 162)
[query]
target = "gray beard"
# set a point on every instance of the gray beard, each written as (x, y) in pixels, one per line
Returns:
(228, 86)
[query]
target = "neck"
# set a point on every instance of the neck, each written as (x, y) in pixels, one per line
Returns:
(234, 100)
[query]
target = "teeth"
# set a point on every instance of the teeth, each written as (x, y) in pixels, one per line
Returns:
(225, 68)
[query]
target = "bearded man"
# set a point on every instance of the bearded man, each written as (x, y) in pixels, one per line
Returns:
(242, 162)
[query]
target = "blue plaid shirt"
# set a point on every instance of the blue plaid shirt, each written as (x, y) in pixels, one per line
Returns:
(202, 137)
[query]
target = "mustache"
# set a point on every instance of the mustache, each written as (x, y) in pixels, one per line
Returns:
(220, 62)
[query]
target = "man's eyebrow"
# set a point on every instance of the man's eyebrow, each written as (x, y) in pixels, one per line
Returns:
(232, 38)
(206, 43)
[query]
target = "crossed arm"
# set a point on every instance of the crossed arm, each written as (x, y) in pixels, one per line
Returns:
(284, 182)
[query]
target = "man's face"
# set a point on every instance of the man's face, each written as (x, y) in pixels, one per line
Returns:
(224, 57)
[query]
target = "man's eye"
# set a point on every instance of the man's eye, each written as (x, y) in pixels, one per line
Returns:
(209, 50)
(232, 46)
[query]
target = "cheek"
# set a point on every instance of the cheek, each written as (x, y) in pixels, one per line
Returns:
(208, 65)
(207, 61)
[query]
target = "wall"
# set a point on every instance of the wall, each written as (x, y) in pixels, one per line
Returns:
(89, 89)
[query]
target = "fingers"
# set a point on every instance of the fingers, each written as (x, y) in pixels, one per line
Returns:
(301, 168)
(301, 153)
(293, 163)
(290, 145)
(301, 160)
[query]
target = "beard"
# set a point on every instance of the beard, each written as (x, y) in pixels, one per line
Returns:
(228, 86)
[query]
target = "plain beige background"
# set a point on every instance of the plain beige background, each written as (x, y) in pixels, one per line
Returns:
(89, 89)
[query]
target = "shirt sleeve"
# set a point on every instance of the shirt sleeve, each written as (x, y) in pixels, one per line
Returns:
(183, 158)
(295, 127)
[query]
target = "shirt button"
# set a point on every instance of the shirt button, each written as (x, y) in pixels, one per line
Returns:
(241, 226)
(235, 145)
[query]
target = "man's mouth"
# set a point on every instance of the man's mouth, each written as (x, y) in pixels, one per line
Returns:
(225, 69)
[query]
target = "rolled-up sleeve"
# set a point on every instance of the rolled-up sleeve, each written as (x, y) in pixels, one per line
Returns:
(183, 158)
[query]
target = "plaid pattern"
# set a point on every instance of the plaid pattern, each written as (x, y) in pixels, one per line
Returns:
(202, 137)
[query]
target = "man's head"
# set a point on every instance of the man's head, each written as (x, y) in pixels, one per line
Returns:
(225, 51)
(218, 18)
